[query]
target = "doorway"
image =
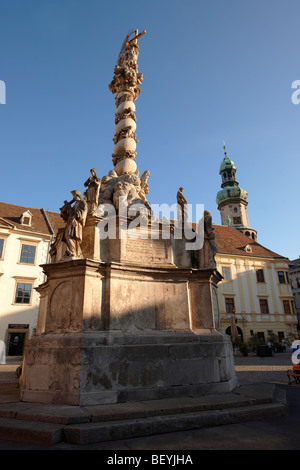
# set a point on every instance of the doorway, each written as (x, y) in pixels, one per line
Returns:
(15, 343)
(240, 333)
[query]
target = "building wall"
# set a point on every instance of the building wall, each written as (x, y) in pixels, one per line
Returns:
(234, 209)
(295, 284)
(19, 319)
(247, 292)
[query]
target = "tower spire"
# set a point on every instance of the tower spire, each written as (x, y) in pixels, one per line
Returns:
(232, 200)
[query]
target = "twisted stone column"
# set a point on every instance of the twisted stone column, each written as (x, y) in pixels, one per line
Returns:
(125, 86)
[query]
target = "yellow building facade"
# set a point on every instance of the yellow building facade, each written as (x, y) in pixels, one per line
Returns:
(255, 287)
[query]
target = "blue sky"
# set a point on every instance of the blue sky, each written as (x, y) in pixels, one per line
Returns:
(214, 70)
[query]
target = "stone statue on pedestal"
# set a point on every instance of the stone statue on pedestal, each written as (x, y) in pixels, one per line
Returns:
(209, 239)
(182, 209)
(75, 217)
(144, 185)
(92, 193)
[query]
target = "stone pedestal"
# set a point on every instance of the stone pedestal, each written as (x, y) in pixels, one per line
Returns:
(100, 368)
(134, 327)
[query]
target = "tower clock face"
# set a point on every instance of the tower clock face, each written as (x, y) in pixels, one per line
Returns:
(236, 220)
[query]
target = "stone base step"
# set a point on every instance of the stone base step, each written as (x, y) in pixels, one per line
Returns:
(115, 430)
(30, 432)
(41, 424)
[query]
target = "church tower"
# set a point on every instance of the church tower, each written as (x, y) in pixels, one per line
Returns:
(232, 200)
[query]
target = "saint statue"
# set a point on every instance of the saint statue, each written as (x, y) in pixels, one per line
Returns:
(144, 185)
(92, 193)
(182, 209)
(75, 217)
(209, 239)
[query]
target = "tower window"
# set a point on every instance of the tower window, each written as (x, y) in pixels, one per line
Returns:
(235, 210)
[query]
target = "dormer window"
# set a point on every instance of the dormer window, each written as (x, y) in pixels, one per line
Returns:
(25, 218)
(248, 249)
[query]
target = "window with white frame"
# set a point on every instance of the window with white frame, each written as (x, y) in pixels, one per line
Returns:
(28, 252)
(23, 291)
(226, 273)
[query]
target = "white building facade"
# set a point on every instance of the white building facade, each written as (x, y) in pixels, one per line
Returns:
(25, 237)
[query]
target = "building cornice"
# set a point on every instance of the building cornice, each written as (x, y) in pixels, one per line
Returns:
(249, 257)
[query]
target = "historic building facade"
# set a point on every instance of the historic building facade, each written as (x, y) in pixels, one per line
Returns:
(255, 283)
(25, 236)
(295, 284)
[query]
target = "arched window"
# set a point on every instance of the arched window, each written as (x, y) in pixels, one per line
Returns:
(228, 332)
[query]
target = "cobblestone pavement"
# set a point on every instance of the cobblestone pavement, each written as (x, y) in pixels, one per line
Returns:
(266, 369)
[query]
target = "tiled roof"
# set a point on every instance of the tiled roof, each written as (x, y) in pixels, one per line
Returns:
(42, 221)
(231, 241)
(294, 264)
